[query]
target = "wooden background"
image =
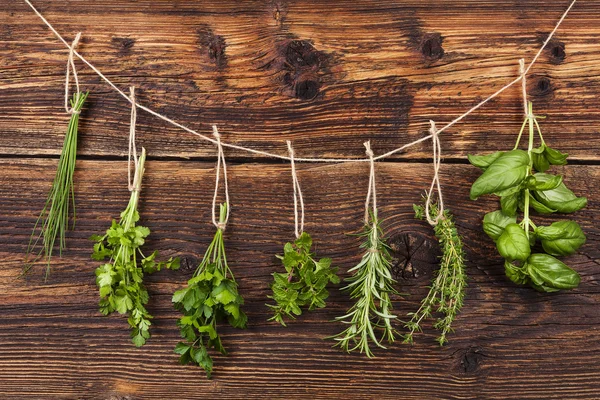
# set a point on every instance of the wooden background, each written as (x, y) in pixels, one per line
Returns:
(327, 75)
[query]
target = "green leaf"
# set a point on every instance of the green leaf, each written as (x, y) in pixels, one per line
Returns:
(555, 157)
(549, 182)
(484, 161)
(181, 348)
(540, 162)
(179, 295)
(494, 223)
(562, 238)
(546, 270)
(561, 198)
(138, 340)
(515, 273)
(225, 293)
(506, 171)
(513, 243)
(304, 242)
(509, 204)
(202, 358)
(539, 207)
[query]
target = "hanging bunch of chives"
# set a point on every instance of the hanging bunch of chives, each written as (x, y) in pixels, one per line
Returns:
(54, 219)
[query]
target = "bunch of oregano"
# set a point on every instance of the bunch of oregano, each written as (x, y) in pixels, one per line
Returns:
(120, 280)
(210, 296)
(447, 289)
(519, 178)
(371, 287)
(305, 282)
(54, 218)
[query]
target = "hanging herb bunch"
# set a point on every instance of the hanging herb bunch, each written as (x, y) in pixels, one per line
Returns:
(447, 289)
(519, 178)
(304, 284)
(211, 296)
(120, 280)
(53, 221)
(370, 286)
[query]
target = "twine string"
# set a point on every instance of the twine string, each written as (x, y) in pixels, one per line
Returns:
(297, 194)
(435, 182)
(71, 66)
(372, 192)
(220, 163)
(133, 184)
(283, 157)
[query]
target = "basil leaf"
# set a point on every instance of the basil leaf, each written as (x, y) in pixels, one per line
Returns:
(555, 157)
(560, 198)
(562, 238)
(515, 274)
(546, 270)
(539, 207)
(484, 161)
(513, 244)
(548, 182)
(540, 162)
(543, 288)
(509, 204)
(494, 223)
(506, 171)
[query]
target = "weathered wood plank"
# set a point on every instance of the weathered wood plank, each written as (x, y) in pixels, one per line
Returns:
(327, 76)
(511, 343)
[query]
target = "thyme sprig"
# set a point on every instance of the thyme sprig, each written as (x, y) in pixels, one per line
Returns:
(210, 296)
(371, 287)
(53, 220)
(447, 289)
(120, 280)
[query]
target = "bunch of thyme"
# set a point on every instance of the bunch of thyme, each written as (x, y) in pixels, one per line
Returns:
(447, 289)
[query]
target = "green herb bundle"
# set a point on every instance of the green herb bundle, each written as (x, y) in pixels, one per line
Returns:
(210, 296)
(120, 280)
(519, 178)
(371, 286)
(305, 282)
(447, 289)
(54, 218)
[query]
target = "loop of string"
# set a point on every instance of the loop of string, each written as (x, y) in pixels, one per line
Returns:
(220, 162)
(282, 157)
(524, 87)
(297, 194)
(133, 184)
(71, 66)
(437, 161)
(372, 192)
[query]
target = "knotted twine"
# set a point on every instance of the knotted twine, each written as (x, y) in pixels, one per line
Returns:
(71, 66)
(372, 192)
(220, 160)
(297, 194)
(134, 184)
(435, 182)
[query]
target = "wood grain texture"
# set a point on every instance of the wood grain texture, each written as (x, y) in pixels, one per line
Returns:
(327, 75)
(55, 344)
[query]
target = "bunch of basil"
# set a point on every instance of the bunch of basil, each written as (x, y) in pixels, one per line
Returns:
(518, 177)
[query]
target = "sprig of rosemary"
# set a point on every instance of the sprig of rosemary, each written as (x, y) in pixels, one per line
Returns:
(120, 281)
(210, 296)
(53, 220)
(305, 282)
(447, 289)
(370, 286)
